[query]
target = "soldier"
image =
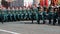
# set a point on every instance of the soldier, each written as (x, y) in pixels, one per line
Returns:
(39, 16)
(23, 15)
(9, 13)
(25, 10)
(50, 14)
(13, 14)
(55, 15)
(20, 11)
(35, 9)
(17, 13)
(44, 14)
(34, 12)
(32, 16)
(59, 15)
(1, 16)
(0, 13)
(29, 13)
(4, 14)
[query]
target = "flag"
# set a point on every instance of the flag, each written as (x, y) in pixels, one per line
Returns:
(41, 2)
(54, 2)
(46, 3)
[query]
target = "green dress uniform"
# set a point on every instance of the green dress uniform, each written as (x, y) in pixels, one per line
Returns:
(32, 16)
(44, 16)
(39, 17)
(17, 15)
(1, 16)
(35, 9)
(58, 17)
(50, 16)
(20, 11)
(29, 14)
(35, 12)
(14, 15)
(4, 13)
(55, 15)
(11, 15)
(22, 15)
(25, 14)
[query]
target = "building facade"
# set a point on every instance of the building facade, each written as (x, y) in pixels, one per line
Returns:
(17, 3)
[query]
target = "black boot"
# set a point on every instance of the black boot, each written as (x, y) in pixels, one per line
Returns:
(54, 21)
(44, 22)
(49, 21)
(58, 22)
(32, 21)
(38, 21)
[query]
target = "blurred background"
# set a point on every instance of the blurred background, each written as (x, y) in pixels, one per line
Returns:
(18, 3)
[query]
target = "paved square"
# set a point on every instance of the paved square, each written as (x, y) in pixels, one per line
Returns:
(29, 28)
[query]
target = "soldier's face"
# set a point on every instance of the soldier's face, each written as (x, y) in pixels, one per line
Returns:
(8, 8)
(55, 9)
(42, 9)
(12, 8)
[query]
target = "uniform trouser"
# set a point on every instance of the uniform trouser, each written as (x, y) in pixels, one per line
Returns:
(44, 20)
(1, 19)
(5, 17)
(26, 17)
(38, 21)
(39, 18)
(13, 19)
(19, 17)
(49, 18)
(22, 17)
(16, 17)
(59, 20)
(49, 21)
(54, 21)
(9, 18)
(32, 18)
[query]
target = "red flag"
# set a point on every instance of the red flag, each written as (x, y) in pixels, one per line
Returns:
(42, 2)
(46, 3)
(56, 2)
